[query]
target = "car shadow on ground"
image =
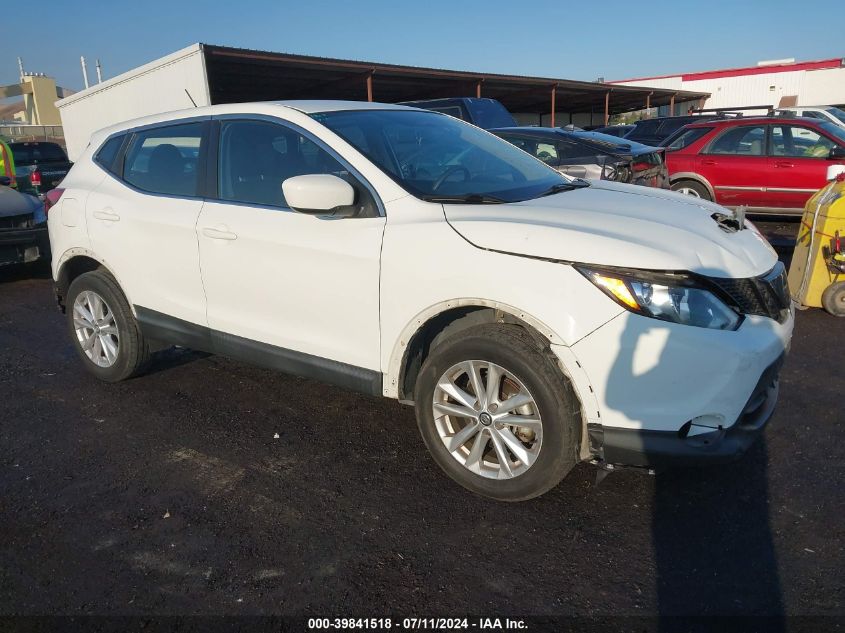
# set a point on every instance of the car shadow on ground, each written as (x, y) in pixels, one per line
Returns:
(713, 545)
(19, 272)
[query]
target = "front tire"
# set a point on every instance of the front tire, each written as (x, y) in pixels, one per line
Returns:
(497, 414)
(103, 329)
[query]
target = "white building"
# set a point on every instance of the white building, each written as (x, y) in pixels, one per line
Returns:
(777, 83)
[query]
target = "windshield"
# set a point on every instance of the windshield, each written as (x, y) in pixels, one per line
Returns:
(836, 112)
(437, 157)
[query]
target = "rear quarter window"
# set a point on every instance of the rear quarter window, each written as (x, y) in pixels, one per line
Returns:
(107, 154)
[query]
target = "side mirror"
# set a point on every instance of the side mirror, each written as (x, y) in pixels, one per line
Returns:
(5, 181)
(319, 194)
(836, 153)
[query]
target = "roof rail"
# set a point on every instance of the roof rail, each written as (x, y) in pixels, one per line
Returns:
(738, 111)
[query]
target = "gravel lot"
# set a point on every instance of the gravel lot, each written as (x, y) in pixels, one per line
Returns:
(169, 494)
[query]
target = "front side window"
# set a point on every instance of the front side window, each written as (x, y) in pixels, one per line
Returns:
(440, 158)
(799, 142)
(257, 156)
(165, 159)
(742, 140)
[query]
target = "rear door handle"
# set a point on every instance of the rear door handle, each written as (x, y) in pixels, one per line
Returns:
(106, 214)
(708, 161)
(220, 232)
(781, 163)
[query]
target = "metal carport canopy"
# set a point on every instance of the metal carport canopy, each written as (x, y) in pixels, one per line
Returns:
(237, 75)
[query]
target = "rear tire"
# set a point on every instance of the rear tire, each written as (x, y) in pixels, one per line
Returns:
(692, 188)
(833, 299)
(488, 445)
(103, 329)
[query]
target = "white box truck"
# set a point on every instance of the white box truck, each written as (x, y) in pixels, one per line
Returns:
(174, 82)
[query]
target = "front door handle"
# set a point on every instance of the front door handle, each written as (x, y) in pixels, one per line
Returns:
(708, 161)
(106, 214)
(220, 232)
(782, 163)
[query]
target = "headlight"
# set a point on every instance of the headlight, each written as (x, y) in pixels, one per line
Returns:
(675, 298)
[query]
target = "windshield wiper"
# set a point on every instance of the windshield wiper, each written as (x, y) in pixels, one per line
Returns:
(577, 183)
(470, 198)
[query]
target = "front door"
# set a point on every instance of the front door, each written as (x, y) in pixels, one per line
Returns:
(142, 220)
(305, 288)
(798, 164)
(735, 163)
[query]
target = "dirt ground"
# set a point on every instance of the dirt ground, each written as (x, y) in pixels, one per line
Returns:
(171, 494)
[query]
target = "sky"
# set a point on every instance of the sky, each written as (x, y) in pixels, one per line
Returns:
(570, 40)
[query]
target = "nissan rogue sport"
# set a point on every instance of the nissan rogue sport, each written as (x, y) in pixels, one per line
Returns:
(532, 319)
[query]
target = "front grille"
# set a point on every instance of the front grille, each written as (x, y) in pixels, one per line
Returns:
(767, 295)
(16, 222)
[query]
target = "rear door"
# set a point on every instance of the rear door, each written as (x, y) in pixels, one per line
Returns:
(798, 164)
(142, 220)
(735, 163)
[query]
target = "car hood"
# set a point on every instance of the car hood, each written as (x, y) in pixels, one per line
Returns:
(621, 225)
(15, 203)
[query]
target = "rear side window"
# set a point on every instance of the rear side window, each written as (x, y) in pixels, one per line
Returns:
(107, 153)
(165, 160)
(741, 140)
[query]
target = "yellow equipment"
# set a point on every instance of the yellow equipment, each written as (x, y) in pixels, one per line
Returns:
(817, 272)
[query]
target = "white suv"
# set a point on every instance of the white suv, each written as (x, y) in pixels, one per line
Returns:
(533, 320)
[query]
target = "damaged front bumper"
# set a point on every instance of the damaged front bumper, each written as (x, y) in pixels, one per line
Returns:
(691, 445)
(22, 246)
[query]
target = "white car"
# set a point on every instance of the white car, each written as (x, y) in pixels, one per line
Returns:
(534, 320)
(824, 113)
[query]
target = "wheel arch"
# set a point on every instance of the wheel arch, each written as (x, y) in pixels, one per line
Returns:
(445, 318)
(690, 175)
(73, 263)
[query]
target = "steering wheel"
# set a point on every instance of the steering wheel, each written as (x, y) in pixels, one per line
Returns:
(449, 172)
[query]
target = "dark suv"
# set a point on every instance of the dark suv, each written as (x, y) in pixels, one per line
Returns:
(654, 131)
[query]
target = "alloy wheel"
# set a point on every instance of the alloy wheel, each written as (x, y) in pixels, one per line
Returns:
(688, 191)
(96, 330)
(487, 419)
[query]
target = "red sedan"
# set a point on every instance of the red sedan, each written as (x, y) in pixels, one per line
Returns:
(770, 164)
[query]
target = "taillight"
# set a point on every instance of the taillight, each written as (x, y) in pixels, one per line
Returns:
(51, 199)
(35, 178)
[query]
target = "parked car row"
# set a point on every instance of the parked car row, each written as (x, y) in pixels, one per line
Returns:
(771, 164)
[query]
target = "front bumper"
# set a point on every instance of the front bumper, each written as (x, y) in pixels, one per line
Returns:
(22, 246)
(668, 394)
(661, 449)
